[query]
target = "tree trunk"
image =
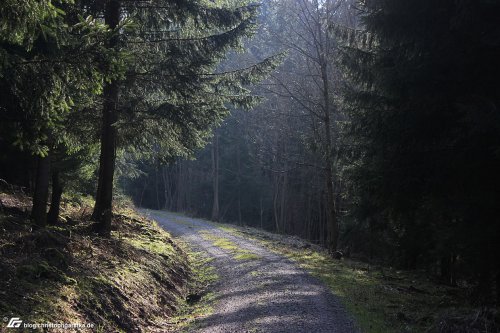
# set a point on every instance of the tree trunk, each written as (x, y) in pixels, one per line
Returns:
(215, 177)
(180, 187)
(41, 194)
(321, 218)
(308, 232)
(55, 203)
(275, 203)
(167, 191)
(157, 186)
(261, 214)
(283, 216)
(238, 176)
(143, 190)
(104, 196)
(332, 224)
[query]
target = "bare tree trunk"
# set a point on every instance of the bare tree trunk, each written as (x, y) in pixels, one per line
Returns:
(143, 190)
(166, 188)
(180, 187)
(238, 176)
(283, 220)
(332, 225)
(321, 226)
(275, 202)
(104, 196)
(188, 197)
(157, 187)
(41, 194)
(215, 177)
(55, 204)
(261, 214)
(308, 221)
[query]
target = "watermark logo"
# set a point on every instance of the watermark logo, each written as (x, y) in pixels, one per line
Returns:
(14, 322)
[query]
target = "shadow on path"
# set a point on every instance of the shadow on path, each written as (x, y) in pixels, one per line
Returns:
(270, 294)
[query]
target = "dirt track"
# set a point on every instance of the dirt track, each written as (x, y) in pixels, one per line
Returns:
(266, 293)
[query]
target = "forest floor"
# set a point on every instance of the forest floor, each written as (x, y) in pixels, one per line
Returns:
(210, 278)
(258, 290)
(276, 283)
(139, 280)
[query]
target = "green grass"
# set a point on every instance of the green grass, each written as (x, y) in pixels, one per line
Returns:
(151, 244)
(226, 244)
(246, 256)
(255, 273)
(203, 275)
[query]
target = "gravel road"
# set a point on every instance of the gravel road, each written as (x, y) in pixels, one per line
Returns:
(267, 293)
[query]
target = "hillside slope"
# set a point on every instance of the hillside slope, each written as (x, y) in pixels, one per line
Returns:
(135, 281)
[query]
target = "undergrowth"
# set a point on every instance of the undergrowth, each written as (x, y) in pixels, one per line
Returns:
(140, 279)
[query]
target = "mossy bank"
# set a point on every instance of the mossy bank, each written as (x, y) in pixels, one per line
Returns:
(139, 280)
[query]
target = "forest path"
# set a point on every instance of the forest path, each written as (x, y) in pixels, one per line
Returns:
(257, 290)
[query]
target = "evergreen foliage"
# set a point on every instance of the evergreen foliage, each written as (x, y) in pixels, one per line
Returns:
(424, 132)
(50, 67)
(172, 94)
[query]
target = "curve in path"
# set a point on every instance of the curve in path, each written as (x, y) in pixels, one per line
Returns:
(266, 294)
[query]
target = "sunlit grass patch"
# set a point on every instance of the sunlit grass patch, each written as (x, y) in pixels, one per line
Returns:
(246, 256)
(199, 303)
(255, 273)
(228, 245)
(151, 245)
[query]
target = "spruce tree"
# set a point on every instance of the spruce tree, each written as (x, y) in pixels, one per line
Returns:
(49, 68)
(172, 93)
(424, 130)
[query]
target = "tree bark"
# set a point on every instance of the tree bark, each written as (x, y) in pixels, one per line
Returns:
(157, 186)
(41, 194)
(180, 187)
(143, 190)
(104, 196)
(215, 177)
(275, 203)
(55, 203)
(238, 176)
(283, 200)
(332, 224)
(261, 214)
(167, 191)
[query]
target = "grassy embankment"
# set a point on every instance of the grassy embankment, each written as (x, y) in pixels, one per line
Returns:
(381, 299)
(138, 280)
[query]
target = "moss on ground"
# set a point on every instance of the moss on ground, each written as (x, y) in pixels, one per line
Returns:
(246, 256)
(138, 279)
(199, 302)
(226, 244)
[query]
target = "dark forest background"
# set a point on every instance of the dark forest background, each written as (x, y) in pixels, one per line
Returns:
(369, 127)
